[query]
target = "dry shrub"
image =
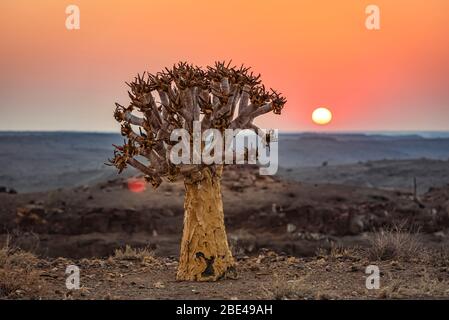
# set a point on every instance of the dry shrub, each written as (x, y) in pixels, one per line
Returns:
(236, 247)
(439, 257)
(18, 277)
(426, 286)
(17, 259)
(280, 289)
(134, 254)
(338, 252)
(394, 243)
(16, 284)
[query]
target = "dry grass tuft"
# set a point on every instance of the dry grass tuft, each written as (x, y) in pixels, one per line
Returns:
(439, 257)
(338, 252)
(394, 243)
(134, 254)
(426, 286)
(300, 289)
(19, 284)
(18, 277)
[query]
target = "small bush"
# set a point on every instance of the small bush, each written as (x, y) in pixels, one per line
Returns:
(19, 284)
(439, 257)
(294, 290)
(18, 277)
(394, 243)
(284, 291)
(339, 252)
(133, 254)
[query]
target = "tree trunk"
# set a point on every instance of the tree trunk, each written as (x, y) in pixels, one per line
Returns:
(205, 255)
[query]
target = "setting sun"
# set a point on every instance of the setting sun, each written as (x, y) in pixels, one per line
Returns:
(322, 116)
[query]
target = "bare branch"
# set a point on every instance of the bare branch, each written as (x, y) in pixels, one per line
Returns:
(244, 99)
(132, 119)
(141, 167)
(186, 92)
(262, 110)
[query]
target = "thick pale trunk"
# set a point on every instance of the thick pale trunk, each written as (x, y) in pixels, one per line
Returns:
(205, 255)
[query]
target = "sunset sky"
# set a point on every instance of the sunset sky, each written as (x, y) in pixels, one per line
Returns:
(318, 53)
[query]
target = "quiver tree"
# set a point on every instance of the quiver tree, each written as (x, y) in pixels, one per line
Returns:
(219, 97)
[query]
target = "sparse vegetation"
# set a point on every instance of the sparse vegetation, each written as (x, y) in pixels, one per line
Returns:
(293, 290)
(425, 286)
(439, 257)
(335, 273)
(134, 254)
(18, 276)
(339, 252)
(283, 290)
(394, 243)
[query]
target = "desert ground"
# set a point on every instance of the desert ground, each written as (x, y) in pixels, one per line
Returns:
(137, 274)
(306, 233)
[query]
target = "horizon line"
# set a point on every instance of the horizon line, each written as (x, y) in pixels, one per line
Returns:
(408, 131)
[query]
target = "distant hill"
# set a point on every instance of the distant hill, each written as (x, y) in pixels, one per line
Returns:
(34, 161)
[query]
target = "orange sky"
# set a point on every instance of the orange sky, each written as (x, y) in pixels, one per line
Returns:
(318, 53)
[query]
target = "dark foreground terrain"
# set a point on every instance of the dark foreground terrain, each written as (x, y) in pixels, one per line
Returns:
(410, 272)
(291, 240)
(337, 205)
(260, 212)
(43, 161)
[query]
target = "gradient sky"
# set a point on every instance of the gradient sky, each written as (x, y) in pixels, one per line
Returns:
(318, 53)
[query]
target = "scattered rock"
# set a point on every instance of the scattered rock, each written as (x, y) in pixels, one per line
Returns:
(356, 224)
(440, 235)
(7, 190)
(168, 213)
(237, 187)
(354, 268)
(31, 214)
(291, 228)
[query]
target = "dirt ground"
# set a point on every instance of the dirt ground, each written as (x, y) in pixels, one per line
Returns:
(288, 217)
(291, 240)
(336, 274)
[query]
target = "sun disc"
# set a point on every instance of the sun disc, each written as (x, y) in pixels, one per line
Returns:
(322, 116)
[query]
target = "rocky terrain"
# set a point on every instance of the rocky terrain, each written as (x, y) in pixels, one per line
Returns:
(44, 161)
(383, 174)
(307, 233)
(260, 212)
(330, 274)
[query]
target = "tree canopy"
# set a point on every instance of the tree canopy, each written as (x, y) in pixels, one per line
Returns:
(219, 97)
